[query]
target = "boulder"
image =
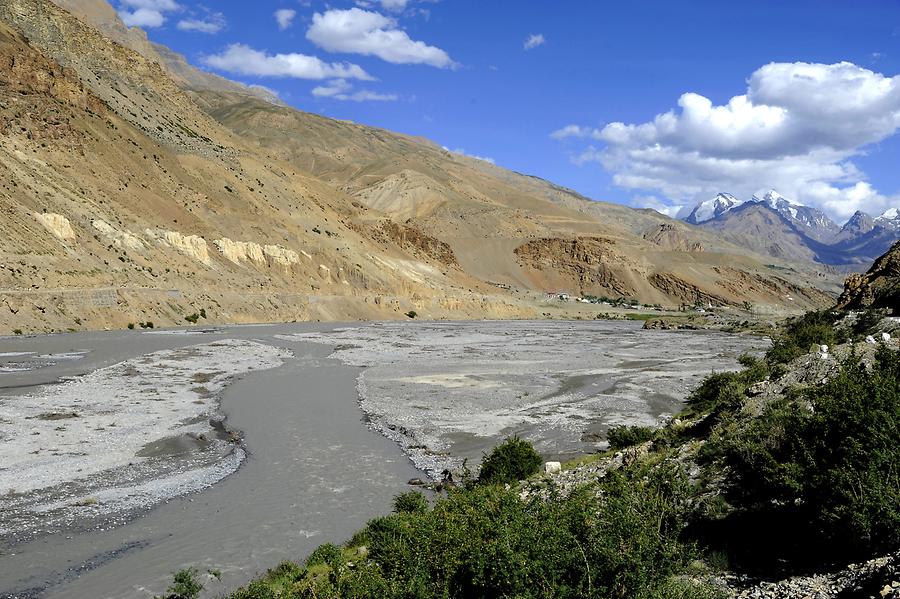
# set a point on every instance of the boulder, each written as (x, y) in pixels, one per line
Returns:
(552, 467)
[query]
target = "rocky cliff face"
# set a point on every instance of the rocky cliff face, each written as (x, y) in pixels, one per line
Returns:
(878, 288)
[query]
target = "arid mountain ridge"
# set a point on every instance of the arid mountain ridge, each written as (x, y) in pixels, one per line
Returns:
(137, 188)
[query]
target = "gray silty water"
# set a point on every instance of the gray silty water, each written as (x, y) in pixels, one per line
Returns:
(314, 471)
(451, 390)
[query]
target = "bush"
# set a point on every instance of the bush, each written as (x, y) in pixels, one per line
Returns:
(800, 334)
(511, 461)
(192, 318)
(411, 502)
(184, 585)
(618, 540)
(620, 437)
(130, 326)
(411, 314)
(824, 460)
(866, 322)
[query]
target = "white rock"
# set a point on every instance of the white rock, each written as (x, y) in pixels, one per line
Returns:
(870, 339)
(191, 246)
(552, 467)
(824, 349)
(57, 224)
(120, 239)
(885, 337)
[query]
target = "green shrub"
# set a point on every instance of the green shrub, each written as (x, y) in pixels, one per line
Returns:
(866, 322)
(411, 502)
(327, 554)
(17, 331)
(513, 460)
(719, 392)
(825, 461)
(800, 334)
(184, 585)
(411, 314)
(619, 541)
(192, 318)
(623, 436)
(130, 326)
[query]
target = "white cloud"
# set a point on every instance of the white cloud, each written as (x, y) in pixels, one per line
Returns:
(534, 40)
(575, 131)
(146, 13)
(655, 203)
(357, 31)
(212, 23)
(390, 5)
(341, 89)
(795, 129)
(244, 60)
(462, 152)
(285, 17)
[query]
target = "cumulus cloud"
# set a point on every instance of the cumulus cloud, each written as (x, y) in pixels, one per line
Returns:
(211, 23)
(244, 60)
(285, 17)
(575, 131)
(795, 129)
(462, 152)
(357, 31)
(341, 89)
(146, 13)
(534, 40)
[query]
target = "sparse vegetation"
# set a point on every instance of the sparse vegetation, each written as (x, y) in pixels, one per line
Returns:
(184, 585)
(130, 326)
(623, 436)
(17, 331)
(618, 539)
(192, 318)
(511, 461)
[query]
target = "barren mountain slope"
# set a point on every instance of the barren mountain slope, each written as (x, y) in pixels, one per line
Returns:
(495, 219)
(104, 225)
(124, 201)
(101, 15)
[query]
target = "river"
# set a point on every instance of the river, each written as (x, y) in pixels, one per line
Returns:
(120, 453)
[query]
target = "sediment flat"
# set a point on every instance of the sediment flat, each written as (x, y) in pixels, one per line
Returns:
(313, 466)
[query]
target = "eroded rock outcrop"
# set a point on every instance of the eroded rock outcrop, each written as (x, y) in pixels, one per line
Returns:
(121, 239)
(878, 288)
(57, 224)
(192, 246)
(668, 236)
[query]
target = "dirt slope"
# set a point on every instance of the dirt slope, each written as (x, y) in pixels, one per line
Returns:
(127, 199)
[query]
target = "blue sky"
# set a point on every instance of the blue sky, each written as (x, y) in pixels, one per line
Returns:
(819, 124)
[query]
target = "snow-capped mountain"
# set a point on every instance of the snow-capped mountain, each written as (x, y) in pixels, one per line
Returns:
(772, 224)
(811, 221)
(856, 226)
(714, 208)
(890, 219)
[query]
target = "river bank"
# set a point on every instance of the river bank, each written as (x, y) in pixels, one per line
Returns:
(317, 467)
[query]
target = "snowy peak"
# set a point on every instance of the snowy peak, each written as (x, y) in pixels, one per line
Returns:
(812, 221)
(714, 208)
(890, 219)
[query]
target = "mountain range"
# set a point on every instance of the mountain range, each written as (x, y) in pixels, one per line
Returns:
(136, 188)
(782, 228)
